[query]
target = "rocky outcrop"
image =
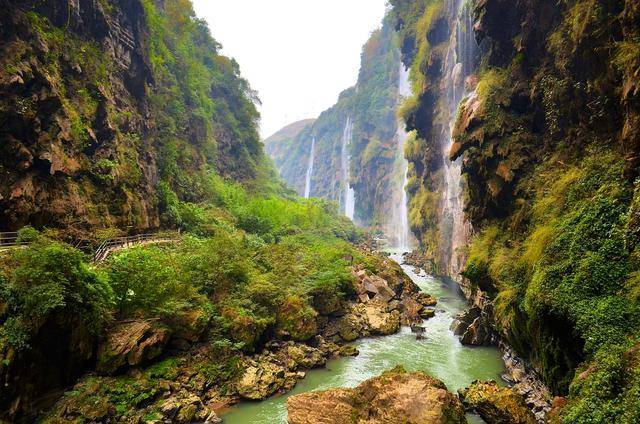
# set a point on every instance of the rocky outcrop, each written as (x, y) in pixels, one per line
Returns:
(132, 343)
(496, 405)
(187, 409)
(394, 397)
(60, 135)
(84, 115)
(474, 326)
(526, 382)
(383, 305)
(277, 369)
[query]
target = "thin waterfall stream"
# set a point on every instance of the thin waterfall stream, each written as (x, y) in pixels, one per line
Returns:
(459, 64)
(307, 184)
(349, 196)
(398, 227)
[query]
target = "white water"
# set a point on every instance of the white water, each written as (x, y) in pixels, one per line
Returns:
(399, 226)
(459, 64)
(349, 195)
(307, 185)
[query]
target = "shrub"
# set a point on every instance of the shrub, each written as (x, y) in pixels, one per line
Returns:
(46, 279)
(297, 318)
(145, 280)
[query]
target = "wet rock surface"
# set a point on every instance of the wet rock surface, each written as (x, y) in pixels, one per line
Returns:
(526, 382)
(474, 327)
(499, 405)
(394, 397)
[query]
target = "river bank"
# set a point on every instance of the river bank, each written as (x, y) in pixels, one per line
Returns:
(440, 354)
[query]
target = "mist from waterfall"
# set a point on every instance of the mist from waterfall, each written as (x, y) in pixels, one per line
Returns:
(398, 227)
(459, 64)
(307, 185)
(349, 197)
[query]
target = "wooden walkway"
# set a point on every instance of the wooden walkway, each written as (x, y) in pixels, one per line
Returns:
(113, 245)
(9, 240)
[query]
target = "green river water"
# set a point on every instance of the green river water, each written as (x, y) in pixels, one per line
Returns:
(440, 354)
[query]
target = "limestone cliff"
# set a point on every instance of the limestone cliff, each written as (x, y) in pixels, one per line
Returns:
(546, 138)
(363, 121)
(102, 103)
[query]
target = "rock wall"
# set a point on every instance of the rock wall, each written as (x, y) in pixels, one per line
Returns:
(93, 117)
(371, 107)
(550, 168)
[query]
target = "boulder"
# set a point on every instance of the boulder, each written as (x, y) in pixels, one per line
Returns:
(131, 343)
(305, 356)
(427, 313)
(184, 407)
(394, 397)
(351, 326)
(381, 322)
(426, 299)
(261, 380)
(349, 350)
(500, 405)
(411, 309)
(474, 327)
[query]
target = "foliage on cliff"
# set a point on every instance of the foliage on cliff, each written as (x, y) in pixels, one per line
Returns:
(119, 116)
(130, 94)
(371, 107)
(548, 142)
(425, 29)
(248, 268)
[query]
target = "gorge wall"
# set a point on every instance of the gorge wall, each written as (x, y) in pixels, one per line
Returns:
(359, 142)
(110, 109)
(546, 137)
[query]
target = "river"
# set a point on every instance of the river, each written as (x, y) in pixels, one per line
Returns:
(440, 354)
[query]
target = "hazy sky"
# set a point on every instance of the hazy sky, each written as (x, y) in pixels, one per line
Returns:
(298, 54)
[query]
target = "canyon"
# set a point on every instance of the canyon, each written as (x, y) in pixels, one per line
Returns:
(456, 239)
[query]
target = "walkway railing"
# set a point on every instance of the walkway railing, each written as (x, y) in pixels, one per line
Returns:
(9, 239)
(109, 246)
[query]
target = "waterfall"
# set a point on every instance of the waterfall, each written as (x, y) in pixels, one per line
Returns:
(307, 185)
(459, 64)
(345, 164)
(399, 225)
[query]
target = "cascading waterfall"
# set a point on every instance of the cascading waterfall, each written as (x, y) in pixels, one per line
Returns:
(399, 225)
(349, 196)
(307, 185)
(459, 64)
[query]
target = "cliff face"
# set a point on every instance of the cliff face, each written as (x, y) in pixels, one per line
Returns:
(547, 140)
(281, 144)
(363, 119)
(102, 102)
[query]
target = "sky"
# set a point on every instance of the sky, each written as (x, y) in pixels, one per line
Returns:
(298, 54)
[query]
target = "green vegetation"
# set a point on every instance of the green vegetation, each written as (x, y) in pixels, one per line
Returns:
(198, 93)
(48, 281)
(550, 186)
(573, 265)
(260, 261)
(373, 147)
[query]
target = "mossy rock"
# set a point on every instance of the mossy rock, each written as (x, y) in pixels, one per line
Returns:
(497, 404)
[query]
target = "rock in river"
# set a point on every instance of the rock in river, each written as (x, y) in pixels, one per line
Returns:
(396, 396)
(500, 405)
